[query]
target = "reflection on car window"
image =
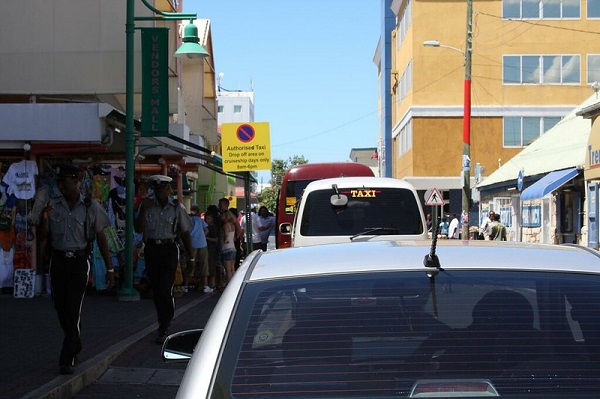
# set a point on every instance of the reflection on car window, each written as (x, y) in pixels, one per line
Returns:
(377, 335)
(393, 210)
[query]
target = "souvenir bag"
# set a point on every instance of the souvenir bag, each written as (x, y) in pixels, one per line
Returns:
(114, 243)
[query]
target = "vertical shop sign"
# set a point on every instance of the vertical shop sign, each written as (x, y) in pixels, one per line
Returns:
(155, 80)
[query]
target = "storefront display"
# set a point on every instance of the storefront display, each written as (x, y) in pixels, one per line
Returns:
(24, 192)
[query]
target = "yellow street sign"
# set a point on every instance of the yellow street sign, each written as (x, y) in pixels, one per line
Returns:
(246, 146)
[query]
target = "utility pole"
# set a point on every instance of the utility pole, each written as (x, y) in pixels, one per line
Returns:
(466, 157)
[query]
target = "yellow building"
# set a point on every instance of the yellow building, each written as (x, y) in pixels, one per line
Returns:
(532, 63)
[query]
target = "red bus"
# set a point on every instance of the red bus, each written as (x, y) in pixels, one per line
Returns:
(295, 181)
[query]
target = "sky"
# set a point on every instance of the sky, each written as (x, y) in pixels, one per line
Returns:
(310, 64)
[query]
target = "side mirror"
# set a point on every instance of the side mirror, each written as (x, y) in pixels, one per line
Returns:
(179, 347)
(338, 200)
(285, 228)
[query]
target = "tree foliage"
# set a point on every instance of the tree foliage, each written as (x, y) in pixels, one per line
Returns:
(278, 168)
(269, 198)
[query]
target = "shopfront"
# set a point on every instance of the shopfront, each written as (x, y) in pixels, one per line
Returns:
(88, 136)
(592, 176)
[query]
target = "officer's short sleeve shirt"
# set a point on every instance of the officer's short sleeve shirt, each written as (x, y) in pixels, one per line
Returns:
(67, 226)
(164, 223)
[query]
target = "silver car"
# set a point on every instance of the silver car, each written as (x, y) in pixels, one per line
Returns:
(402, 319)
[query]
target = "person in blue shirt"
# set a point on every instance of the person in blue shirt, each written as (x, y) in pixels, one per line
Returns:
(267, 222)
(199, 265)
(444, 225)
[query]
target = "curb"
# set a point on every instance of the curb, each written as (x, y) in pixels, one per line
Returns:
(92, 369)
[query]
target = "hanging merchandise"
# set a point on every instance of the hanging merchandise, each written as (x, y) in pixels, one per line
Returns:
(20, 179)
(3, 195)
(24, 283)
(100, 183)
(46, 190)
(6, 268)
(7, 218)
(99, 269)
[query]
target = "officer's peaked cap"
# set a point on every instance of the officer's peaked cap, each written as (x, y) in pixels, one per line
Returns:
(64, 171)
(159, 179)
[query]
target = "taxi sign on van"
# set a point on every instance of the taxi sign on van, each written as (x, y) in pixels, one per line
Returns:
(364, 193)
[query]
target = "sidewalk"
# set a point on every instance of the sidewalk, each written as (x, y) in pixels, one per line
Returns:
(31, 339)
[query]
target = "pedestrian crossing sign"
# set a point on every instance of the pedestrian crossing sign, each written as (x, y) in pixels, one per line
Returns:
(435, 198)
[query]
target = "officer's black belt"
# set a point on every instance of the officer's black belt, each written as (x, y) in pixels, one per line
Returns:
(77, 253)
(163, 241)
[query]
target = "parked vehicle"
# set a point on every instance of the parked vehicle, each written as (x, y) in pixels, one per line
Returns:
(402, 319)
(358, 209)
(295, 181)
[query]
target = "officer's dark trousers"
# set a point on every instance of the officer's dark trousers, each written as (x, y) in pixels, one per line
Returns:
(161, 264)
(69, 277)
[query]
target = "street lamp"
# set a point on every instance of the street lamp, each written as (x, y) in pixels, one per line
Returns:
(194, 50)
(466, 155)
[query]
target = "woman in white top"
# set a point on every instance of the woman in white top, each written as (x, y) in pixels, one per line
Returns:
(228, 250)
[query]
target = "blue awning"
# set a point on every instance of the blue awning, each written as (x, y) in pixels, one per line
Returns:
(552, 181)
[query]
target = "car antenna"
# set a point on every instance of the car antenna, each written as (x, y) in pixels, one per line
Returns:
(431, 259)
(335, 189)
(432, 263)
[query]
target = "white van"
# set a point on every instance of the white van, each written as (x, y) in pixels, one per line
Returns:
(344, 209)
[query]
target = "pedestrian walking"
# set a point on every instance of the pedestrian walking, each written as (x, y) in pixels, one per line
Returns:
(69, 225)
(486, 226)
(454, 230)
(212, 239)
(227, 244)
(498, 230)
(255, 231)
(199, 265)
(443, 227)
(161, 219)
(267, 221)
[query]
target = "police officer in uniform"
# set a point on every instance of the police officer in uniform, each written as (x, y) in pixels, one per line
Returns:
(69, 225)
(161, 219)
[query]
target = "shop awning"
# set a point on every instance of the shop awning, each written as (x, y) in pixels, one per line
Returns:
(198, 152)
(180, 145)
(552, 181)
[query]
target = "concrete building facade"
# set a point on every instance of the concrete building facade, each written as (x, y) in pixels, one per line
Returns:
(530, 67)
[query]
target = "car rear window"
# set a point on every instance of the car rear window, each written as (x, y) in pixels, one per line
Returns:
(460, 334)
(391, 211)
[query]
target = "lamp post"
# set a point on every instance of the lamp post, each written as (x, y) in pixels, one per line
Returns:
(127, 292)
(466, 153)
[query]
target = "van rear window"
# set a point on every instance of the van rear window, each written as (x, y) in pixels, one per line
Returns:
(392, 211)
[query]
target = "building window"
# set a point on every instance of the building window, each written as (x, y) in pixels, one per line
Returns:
(593, 8)
(403, 24)
(404, 83)
(520, 131)
(404, 139)
(541, 69)
(220, 109)
(237, 109)
(542, 9)
(502, 205)
(593, 68)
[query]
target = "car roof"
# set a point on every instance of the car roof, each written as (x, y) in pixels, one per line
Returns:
(354, 182)
(361, 257)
